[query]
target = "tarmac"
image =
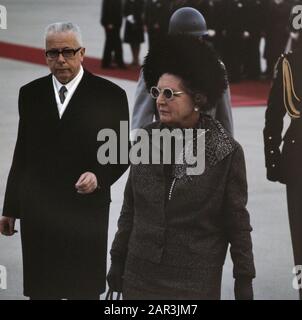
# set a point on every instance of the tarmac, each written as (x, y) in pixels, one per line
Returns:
(267, 201)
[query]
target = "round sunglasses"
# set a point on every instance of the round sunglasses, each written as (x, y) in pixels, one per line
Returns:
(168, 93)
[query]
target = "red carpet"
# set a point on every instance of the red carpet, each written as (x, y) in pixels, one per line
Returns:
(250, 93)
(247, 93)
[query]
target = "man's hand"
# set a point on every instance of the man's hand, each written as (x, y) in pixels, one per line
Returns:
(87, 183)
(7, 226)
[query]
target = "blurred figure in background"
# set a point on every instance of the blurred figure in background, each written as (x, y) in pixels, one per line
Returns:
(233, 17)
(111, 20)
(134, 28)
(277, 31)
(157, 14)
(210, 10)
(255, 25)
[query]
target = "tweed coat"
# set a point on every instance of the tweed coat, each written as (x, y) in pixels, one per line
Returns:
(177, 239)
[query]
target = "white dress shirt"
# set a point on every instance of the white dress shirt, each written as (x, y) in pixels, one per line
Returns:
(70, 86)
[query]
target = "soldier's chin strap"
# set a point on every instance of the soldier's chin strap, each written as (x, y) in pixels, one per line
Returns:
(289, 94)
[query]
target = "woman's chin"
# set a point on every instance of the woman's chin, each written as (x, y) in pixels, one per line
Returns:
(165, 119)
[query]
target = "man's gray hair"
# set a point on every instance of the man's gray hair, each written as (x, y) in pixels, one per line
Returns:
(62, 27)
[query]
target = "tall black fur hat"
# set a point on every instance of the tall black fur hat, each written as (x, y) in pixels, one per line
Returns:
(194, 61)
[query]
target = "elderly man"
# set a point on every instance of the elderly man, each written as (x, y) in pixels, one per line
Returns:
(56, 187)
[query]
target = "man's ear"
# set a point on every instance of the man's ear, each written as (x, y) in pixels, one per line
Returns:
(82, 52)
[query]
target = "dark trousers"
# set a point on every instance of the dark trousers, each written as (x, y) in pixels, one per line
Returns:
(294, 202)
(113, 47)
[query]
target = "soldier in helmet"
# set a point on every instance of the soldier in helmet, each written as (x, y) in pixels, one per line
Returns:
(208, 8)
(186, 21)
(284, 165)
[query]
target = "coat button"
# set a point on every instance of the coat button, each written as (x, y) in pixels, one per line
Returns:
(293, 141)
(273, 165)
(272, 151)
(270, 138)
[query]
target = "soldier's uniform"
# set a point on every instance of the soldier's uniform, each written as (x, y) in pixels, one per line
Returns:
(285, 166)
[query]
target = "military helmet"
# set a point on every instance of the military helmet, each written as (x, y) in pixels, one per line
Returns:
(188, 21)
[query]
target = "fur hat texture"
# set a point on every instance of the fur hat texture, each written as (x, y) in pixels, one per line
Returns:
(193, 61)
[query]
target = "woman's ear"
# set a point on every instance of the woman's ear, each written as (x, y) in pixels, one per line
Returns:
(200, 99)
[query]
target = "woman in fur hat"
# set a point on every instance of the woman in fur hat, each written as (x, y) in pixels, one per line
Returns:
(175, 228)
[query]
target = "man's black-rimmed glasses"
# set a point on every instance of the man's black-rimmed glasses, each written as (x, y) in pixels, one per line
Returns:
(66, 53)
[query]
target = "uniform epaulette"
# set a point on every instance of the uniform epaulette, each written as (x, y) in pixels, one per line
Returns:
(290, 97)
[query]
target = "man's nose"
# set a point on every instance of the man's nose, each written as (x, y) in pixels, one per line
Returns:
(61, 58)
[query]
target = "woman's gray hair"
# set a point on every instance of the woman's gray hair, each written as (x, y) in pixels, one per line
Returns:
(64, 27)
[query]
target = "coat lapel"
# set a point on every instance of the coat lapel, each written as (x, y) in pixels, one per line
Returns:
(48, 101)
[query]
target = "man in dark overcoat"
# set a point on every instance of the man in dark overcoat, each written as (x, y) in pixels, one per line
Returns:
(56, 185)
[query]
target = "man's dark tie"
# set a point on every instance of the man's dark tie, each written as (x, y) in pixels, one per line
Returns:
(62, 92)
